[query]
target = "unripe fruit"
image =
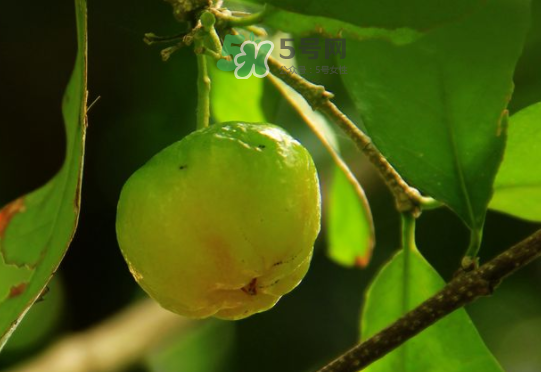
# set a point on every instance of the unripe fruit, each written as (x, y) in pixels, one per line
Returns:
(223, 222)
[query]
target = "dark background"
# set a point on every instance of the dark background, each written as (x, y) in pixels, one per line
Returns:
(147, 104)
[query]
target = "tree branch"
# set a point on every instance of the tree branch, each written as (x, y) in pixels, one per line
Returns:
(465, 288)
(112, 345)
(406, 197)
(121, 340)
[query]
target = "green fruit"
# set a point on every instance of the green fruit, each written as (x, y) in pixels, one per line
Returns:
(223, 222)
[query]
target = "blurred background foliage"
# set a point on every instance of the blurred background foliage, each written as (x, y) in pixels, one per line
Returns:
(147, 104)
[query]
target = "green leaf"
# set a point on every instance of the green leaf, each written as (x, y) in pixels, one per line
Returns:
(392, 14)
(517, 189)
(208, 348)
(350, 230)
(303, 25)
(451, 345)
(434, 107)
(36, 229)
(233, 99)
(41, 320)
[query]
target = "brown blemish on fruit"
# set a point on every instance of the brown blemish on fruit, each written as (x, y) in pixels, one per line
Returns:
(8, 212)
(17, 290)
(183, 167)
(269, 285)
(281, 262)
(251, 288)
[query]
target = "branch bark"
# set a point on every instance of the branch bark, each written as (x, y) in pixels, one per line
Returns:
(121, 340)
(117, 342)
(465, 288)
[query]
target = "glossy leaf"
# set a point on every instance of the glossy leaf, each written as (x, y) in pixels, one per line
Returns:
(303, 25)
(517, 189)
(451, 345)
(36, 229)
(434, 107)
(420, 15)
(349, 227)
(235, 99)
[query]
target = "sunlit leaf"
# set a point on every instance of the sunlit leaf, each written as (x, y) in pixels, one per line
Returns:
(349, 226)
(517, 189)
(36, 229)
(235, 99)
(451, 345)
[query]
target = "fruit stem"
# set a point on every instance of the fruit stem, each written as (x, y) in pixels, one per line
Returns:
(203, 88)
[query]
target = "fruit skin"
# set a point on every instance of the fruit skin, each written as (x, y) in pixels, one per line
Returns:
(223, 222)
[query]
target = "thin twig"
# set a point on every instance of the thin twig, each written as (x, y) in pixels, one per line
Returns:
(462, 290)
(407, 198)
(215, 40)
(151, 38)
(249, 20)
(203, 89)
